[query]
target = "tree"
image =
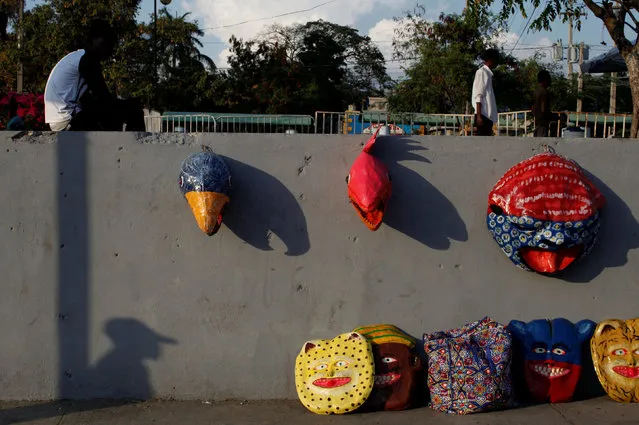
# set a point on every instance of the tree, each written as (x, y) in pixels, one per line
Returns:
(261, 79)
(306, 67)
(618, 16)
(516, 89)
(186, 76)
(183, 71)
(451, 43)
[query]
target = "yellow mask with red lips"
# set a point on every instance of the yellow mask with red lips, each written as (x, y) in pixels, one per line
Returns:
(335, 376)
(615, 356)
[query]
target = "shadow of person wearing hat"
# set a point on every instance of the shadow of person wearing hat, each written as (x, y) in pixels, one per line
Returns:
(121, 373)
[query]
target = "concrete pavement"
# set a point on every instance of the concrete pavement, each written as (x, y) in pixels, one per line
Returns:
(595, 411)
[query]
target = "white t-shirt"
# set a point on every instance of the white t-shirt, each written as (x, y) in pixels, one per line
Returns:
(64, 88)
(483, 93)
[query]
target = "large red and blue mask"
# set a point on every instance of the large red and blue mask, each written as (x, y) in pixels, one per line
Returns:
(551, 352)
(544, 213)
(369, 186)
(205, 182)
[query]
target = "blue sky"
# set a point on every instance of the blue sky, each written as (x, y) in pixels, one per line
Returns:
(371, 17)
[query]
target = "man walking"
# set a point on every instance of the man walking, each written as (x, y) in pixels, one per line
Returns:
(483, 96)
(76, 96)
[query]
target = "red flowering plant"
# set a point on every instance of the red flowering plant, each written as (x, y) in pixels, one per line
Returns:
(28, 106)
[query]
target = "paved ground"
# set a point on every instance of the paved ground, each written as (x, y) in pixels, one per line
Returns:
(596, 411)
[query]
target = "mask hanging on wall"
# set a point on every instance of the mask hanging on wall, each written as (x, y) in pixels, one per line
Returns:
(397, 367)
(335, 376)
(550, 355)
(205, 182)
(544, 213)
(369, 186)
(615, 355)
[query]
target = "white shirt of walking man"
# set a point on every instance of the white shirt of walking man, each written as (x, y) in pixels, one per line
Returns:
(483, 95)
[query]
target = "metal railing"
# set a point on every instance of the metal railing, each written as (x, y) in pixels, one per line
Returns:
(230, 123)
(512, 123)
(356, 122)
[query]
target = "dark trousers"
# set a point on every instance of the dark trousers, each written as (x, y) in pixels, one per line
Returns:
(486, 129)
(109, 116)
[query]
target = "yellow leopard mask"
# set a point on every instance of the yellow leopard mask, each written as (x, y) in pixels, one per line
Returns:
(335, 376)
(615, 356)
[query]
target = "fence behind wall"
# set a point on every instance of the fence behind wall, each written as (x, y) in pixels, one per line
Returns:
(512, 123)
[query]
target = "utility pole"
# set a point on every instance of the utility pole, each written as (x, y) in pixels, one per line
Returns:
(155, 53)
(569, 47)
(580, 83)
(20, 81)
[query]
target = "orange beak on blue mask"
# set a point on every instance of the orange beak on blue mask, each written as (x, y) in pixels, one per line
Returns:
(205, 182)
(369, 186)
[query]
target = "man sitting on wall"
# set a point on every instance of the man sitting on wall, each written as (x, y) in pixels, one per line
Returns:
(76, 96)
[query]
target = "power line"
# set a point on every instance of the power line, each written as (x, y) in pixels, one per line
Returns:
(271, 17)
(525, 27)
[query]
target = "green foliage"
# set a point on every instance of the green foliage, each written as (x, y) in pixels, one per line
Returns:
(56, 27)
(617, 16)
(452, 43)
(304, 68)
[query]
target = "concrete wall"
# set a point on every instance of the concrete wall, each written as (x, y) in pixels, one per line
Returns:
(99, 251)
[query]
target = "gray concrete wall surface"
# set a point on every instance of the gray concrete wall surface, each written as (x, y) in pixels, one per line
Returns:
(101, 256)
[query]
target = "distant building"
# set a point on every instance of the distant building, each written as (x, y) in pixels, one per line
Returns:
(377, 104)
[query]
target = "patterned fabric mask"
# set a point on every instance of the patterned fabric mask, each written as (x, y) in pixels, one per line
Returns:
(544, 213)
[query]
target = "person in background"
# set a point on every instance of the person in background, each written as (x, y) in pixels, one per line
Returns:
(541, 107)
(483, 95)
(16, 123)
(76, 96)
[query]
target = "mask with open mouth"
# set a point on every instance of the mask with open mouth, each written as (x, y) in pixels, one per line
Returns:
(397, 367)
(615, 356)
(205, 182)
(369, 186)
(335, 376)
(544, 213)
(551, 352)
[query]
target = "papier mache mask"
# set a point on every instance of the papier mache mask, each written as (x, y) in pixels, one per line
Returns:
(397, 367)
(205, 182)
(551, 356)
(615, 355)
(335, 376)
(544, 213)
(369, 186)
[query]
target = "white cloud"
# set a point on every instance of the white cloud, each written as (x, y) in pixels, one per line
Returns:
(383, 34)
(219, 13)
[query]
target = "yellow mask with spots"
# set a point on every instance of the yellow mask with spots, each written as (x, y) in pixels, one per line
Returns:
(335, 376)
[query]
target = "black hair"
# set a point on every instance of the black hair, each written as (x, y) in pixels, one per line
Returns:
(543, 76)
(490, 54)
(102, 29)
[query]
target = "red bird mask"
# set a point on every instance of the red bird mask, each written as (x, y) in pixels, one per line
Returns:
(369, 186)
